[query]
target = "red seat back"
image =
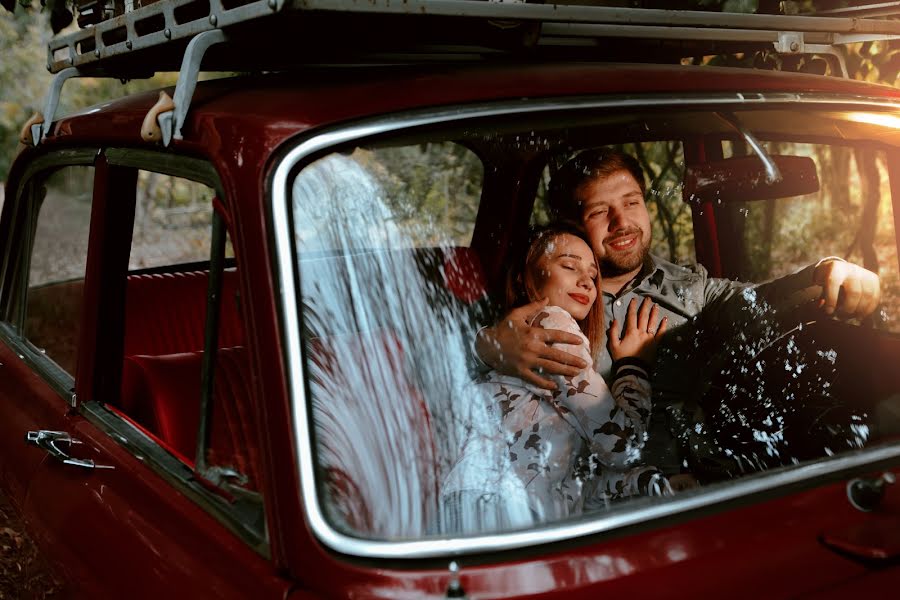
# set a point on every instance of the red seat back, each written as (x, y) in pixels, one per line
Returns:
(165, 313)
(162, 393)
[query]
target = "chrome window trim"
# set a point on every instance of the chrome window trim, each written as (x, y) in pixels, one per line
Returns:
(826, 470)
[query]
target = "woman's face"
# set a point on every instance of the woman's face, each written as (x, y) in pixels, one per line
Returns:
(566, 274)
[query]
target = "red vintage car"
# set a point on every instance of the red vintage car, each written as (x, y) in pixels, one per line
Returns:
(237, 349)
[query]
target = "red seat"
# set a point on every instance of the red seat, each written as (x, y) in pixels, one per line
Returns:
(162, 393)
(463, 274)
(165, 313)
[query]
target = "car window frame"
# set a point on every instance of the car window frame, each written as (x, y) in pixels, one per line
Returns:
(14, 269)
(305, 148)
(236, 516)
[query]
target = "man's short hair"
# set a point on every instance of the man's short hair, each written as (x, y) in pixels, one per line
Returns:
(596, 163)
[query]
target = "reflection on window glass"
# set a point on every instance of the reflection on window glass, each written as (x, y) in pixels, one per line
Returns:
(427, 195)
(58, 259)
(414, 438)
(375, 317)
(172, 222)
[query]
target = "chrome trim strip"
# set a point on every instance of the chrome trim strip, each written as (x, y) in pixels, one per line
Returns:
(489, 543)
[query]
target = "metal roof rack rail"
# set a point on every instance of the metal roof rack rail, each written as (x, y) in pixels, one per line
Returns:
(278, 34)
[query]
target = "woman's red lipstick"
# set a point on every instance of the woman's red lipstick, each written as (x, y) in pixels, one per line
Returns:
(580, 298)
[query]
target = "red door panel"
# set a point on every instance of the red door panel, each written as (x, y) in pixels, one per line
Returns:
(29, 403)
(126, 532)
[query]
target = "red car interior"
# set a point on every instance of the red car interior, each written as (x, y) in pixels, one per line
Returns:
(177, 303)
(162, 370)
(161, 377)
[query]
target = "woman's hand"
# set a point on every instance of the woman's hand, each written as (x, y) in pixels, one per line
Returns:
(642, 332)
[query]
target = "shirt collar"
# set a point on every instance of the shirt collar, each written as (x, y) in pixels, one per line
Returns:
(652, 273)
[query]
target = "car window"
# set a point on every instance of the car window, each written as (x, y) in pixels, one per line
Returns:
(428, 192)
(173, 222)
(61, 205)
(182, 373)
(850, 216)
(749, 382)
(173, 269)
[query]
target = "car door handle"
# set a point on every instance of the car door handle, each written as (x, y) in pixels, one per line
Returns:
(51, 442)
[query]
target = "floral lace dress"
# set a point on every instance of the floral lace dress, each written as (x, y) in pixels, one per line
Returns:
(581, 440)
(579, 443)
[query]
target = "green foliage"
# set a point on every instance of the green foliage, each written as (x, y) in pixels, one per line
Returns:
(432, 189)
(24, 81)
(663, 164)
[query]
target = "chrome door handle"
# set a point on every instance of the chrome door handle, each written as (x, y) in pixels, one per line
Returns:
(51, 441)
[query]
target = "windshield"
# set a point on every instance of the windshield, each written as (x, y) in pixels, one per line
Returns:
(404, 248)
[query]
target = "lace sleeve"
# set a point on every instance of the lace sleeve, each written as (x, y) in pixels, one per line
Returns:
(621, 438)
(554, 317)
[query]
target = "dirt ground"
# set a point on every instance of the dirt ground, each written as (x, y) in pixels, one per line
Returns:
(23, 574)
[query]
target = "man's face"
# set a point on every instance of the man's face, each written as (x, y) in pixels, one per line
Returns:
(617, 223)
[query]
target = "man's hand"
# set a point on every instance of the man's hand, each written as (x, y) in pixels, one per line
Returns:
(848, 290)
(514, 347)
(642, 332)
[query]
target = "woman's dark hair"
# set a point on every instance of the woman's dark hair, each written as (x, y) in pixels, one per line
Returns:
(520, 288)
(586, 166)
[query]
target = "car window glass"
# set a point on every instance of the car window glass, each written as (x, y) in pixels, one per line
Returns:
(429, 193)
(170, 291)
(850, 216)
(57, 265)
(745, 381)
(173, 219)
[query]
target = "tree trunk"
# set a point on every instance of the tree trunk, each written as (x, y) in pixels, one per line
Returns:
(838, 165)
(870, 192)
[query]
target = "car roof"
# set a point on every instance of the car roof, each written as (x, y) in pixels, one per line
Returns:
(271, 108)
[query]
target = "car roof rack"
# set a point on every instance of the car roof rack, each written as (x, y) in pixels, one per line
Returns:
(274, 34)
(127, 42)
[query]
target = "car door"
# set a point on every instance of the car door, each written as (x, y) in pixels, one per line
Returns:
(38, 354)
(114, 501)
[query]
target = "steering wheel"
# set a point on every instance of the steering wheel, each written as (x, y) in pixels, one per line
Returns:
(780, 402)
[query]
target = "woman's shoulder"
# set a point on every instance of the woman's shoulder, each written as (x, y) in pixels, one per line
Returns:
(552, 317)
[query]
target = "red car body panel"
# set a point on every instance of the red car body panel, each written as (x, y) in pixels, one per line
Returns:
(771, 548)
(155, 531)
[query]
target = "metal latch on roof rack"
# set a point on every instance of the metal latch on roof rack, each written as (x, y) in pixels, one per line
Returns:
(40, 124)
(169, 114)
(793, 42)
(789, 42)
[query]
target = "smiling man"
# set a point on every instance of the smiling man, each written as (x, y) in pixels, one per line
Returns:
(604, 191)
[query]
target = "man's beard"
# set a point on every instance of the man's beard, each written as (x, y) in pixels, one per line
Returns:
(613, 264)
